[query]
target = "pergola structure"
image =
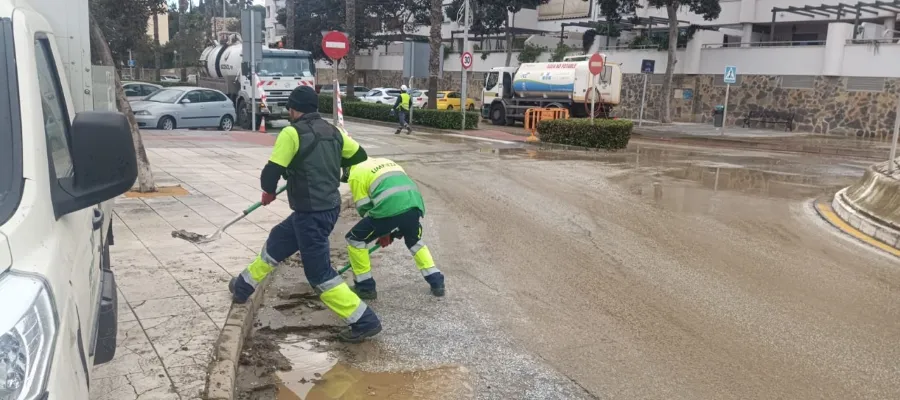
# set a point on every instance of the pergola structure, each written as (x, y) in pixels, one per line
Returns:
(836, 13)
(647, 22)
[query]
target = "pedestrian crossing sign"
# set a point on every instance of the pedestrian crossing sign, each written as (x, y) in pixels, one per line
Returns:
(730, 75)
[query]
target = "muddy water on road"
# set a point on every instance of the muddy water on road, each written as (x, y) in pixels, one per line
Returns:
(660, 273)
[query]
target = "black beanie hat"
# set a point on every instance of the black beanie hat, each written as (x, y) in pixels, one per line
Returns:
(304, 99)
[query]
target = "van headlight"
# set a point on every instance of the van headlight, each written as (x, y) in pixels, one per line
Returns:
(28, 326)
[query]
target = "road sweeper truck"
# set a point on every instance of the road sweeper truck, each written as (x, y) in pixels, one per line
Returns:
(280, 71)
(64, 155)
(510, 91)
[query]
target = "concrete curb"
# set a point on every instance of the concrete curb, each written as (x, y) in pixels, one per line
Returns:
(863, 221)
(221, 374)
(222, 371)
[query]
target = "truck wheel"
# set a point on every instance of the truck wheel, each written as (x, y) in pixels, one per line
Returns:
(498, 115)
(471, 107)
(243, 119)
(166, 123)
(226, 123)
(449, 108)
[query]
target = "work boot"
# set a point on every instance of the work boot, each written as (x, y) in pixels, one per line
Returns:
(367, 326)
(365, 294)
(397, 132)
(240, 290)
(436, 281)
(438, 291)
(408, 130)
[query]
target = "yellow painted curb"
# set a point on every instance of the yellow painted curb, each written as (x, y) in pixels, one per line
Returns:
(825, 211)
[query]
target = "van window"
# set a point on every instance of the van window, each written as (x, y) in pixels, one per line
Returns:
(10, 126)
(56, 120)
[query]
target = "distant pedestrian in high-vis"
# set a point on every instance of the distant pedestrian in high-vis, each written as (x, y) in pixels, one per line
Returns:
(389, 202)
(309, 154)
(402, 106)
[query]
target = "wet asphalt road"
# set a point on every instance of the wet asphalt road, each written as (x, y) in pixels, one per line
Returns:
(652, 273)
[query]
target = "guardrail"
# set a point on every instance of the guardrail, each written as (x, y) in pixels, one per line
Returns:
(764, 44)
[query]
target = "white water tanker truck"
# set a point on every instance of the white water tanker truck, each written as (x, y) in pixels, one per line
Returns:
(510, 91)
(279, 72)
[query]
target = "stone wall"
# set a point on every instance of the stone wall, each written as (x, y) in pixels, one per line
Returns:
(827, 107)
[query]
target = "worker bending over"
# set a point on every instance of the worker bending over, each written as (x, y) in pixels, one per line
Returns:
(403, 104)
(309, 153)
(388, 200)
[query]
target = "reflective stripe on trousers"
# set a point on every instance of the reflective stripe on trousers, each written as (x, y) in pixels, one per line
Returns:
(339, 298)
(259, 268)
(424, 261)
(359, 259)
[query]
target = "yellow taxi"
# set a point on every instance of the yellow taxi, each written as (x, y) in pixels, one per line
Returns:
(449, 100)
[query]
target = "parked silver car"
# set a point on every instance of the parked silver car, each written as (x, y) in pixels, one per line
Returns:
(185, 107)
(139, 90)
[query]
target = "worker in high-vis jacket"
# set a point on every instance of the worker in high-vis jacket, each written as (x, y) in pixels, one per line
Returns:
(389, 202)
(309, 154)
(403, 104)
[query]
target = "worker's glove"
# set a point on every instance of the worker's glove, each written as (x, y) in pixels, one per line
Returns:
(385, 241)
(267, 198)
(393, 112)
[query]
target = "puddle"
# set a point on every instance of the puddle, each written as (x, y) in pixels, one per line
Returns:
(319, 376)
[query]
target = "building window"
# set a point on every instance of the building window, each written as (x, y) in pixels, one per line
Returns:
(797, 82)
(865, 84)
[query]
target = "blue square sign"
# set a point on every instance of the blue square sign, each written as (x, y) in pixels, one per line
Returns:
(130, 63)
(730, 75)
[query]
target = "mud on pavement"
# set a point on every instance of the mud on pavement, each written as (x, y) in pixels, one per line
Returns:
(292, 353)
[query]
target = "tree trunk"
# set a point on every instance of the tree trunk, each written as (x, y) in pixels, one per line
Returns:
(665, 114)
(290, 13)
(509, 38)
(434, 60)
(156, 51)
(351, 55)
(145, 181)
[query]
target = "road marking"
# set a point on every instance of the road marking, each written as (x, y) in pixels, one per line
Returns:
(480, 138)
(829, 215)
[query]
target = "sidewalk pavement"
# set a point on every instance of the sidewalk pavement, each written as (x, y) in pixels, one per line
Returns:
(173, 295)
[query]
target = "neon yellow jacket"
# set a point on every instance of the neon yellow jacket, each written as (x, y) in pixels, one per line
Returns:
(381, 189)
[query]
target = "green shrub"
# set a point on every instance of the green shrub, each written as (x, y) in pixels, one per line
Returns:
(440, 119)
(602, 134)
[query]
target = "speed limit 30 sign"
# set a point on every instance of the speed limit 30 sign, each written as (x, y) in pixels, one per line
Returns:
(466, 60)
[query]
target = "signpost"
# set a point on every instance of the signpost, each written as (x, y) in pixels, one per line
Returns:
(647, 68)
(893, 155)
(730, 78)
(595, 66)
(466, 60)
(335, 45)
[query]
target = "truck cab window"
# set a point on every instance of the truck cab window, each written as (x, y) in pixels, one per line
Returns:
(491, 81)
(56, 120)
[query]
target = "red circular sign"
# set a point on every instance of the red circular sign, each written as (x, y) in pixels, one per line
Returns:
(335, 45)
(595, 64)
(466, 60)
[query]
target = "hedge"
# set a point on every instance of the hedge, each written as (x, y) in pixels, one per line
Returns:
(602, 134)
(440, 119)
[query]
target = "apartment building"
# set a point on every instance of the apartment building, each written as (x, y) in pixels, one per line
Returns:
(274, 30)
(834, 63)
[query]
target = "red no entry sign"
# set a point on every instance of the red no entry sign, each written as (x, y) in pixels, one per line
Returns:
(595, 64)
(466, 60)
(335, 45)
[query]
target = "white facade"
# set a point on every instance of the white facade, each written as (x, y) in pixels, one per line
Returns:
(805, 46)
(274, 30)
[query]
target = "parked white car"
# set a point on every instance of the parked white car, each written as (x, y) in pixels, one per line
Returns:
(138, 90)
(381, 96)
(169, 78)
(419, 98)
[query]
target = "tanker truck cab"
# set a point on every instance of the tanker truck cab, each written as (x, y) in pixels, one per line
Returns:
(509, 92)
(59, 169)
(279, 72)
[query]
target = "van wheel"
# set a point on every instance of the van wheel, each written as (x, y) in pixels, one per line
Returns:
(166, 123)
(226, 124)
(498, 115)
(449, 107)
(471, 107)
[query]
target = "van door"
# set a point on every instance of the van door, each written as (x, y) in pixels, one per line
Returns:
(78, 242)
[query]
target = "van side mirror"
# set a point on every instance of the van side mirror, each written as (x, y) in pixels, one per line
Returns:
(103, 160)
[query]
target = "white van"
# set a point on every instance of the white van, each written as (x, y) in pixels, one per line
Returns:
(59, 167)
